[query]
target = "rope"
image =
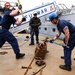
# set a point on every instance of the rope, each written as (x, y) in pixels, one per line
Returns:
(39, 70)
(3, 53)
(30, 64)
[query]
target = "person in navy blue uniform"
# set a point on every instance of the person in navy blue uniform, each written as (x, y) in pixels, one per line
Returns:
(0, 18)
(68, 29)
(5, 35)
(34, 24)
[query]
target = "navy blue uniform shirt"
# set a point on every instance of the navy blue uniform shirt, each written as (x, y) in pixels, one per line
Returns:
(62, 23)
(0, 18)
(7, 20)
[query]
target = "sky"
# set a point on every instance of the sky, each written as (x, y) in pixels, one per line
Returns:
(29, 4)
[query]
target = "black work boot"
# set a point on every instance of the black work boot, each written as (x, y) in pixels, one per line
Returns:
(62, 57)
(37, 42)
(31, 44)
(65, 67)
(19, 55)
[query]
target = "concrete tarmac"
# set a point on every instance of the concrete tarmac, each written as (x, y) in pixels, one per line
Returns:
(9, 65)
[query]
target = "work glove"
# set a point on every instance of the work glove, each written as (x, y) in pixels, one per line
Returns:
(20, 7)
(51, 41)
(65, 46)
(23, 19)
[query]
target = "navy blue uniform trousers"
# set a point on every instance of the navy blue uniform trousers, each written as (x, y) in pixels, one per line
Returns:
(68, 51)
(32, 32)
(5, 35)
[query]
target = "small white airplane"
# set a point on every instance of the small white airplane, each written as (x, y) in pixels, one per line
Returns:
(43, 11)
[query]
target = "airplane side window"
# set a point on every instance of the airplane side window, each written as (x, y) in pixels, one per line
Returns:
(45, 29)
(53, 30)
(69, 20)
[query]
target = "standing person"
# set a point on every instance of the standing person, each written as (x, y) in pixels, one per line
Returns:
(5, 35)
(68, 30)
(34, 24)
